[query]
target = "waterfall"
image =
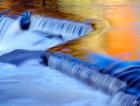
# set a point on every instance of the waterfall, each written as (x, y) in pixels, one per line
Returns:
(86, 72)
(5, 23)
(124, 99)
(121, 81)
(25, 81)
(67, 29)
(13, 32)
(12, 37)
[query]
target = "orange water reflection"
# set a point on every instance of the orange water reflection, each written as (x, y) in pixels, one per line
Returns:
(121, 40)
(124, 39)
(117, 24)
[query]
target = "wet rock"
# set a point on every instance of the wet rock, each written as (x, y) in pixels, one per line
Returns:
(25, 20)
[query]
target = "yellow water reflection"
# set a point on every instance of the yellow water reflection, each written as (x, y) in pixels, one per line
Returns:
(116, 22)
(124, 38)
(119, 37)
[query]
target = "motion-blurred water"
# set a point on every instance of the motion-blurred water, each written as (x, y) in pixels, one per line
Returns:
(24, 80)
(32, 84)
(116, 22)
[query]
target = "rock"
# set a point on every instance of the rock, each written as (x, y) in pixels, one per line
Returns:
(25, 20)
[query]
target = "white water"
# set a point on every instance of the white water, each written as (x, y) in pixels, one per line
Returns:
(33, 84)
(15, 38)
(68, 29)
(4, 24)
(124, 99)
(80, 70)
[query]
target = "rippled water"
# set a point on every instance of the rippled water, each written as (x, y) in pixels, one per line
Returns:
(116, 22)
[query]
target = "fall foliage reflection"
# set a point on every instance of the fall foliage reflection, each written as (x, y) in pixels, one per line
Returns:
(116, 23)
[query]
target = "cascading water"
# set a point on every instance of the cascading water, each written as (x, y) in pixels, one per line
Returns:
(85, 71)
(67, 29)
(40, 32)
(41, 84)
(120, 79)
(120, 82)
(5, 22)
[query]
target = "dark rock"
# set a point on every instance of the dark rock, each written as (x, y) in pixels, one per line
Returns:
(25, 20)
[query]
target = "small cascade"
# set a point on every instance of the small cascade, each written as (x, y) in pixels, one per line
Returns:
(13, 37)
(5, 23)
(32, 32)
(122, 80)
(85, 72)
(12, 31)
(124, 99)
(36, 31)
(67, 29)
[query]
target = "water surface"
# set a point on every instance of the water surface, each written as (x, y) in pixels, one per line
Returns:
(116, 22)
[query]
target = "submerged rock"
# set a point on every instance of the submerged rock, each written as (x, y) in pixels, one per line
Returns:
(19, 56)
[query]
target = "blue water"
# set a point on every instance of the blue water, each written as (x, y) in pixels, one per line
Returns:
(24, 80)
